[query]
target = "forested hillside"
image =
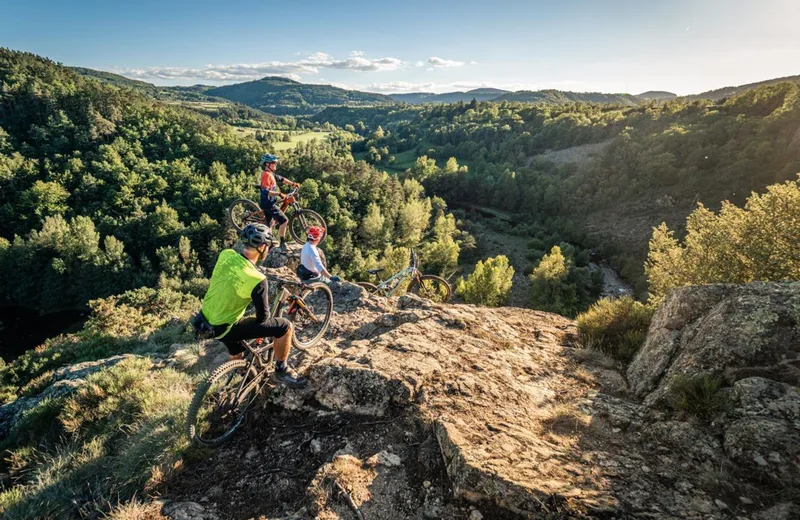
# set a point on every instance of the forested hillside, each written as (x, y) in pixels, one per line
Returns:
(651, 162)
(103, 190)
(724, 92)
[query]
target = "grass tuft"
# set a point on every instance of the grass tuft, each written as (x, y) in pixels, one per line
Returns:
(698, 395)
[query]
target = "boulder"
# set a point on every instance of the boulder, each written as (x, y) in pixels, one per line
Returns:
(726, 331)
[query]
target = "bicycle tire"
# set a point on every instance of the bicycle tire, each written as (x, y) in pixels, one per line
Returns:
(249, 207)
(306, 218)
(299, 339)
(369, 287)
(442, 294)
(193, 414)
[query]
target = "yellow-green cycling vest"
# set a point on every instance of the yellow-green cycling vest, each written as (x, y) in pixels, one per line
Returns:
(228, 294)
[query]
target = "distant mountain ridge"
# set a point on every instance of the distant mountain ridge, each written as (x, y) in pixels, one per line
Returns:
(657, 95)
(560, 96)
(284, 96)
(479, 94)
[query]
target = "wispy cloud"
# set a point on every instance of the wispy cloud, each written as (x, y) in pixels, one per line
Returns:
(395, 87)
(440, 63)
(247, 71)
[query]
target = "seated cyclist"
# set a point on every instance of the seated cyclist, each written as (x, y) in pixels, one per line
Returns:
(311, 268)
(235, 283)
(270, 193)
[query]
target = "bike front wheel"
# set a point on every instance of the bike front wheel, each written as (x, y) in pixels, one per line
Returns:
(301, 220)
(243, 212)
(310, 314)
(220, 404)
(434, 288)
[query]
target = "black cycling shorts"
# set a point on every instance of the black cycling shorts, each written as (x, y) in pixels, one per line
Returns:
(272, 211)
(251, 328)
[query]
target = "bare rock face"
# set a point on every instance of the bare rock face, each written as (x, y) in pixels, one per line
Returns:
(727, 331)
(762, 431)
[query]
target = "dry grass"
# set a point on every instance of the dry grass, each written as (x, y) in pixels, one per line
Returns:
(564, 420)
(136, 510)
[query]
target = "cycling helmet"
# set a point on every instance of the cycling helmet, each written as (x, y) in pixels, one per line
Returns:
(256, 235)
(268, 158)
(315, 232)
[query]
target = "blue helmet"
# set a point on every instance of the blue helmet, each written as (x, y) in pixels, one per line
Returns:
(268, 158)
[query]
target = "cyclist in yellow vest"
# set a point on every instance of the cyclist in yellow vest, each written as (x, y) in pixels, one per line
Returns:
(235, 283)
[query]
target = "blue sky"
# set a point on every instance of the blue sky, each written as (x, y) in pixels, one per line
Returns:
(436, 45)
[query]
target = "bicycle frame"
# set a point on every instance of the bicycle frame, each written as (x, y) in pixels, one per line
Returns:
(389, 286)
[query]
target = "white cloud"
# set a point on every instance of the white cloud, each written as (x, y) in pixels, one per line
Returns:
(440, 63)
(419, 64)
(357, 53)
(395, 87)
(473, 62)
(249, 71)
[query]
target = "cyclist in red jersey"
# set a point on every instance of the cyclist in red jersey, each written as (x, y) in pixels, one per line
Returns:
(270, 193)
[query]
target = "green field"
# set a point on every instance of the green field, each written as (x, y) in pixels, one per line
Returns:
(298, 138)
(281, 145)
(402, 162)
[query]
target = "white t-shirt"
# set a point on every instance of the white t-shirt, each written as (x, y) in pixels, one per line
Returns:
(310, 258)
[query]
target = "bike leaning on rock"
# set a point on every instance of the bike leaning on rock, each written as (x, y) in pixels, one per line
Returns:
(432, 287)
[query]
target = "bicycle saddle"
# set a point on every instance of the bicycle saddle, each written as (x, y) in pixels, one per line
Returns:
(375, 271)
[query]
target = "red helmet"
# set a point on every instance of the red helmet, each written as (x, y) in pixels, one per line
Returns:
(315, 232)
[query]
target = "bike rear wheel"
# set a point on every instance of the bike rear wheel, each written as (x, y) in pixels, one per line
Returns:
(434, 288)
(243, 212)
(310, 315)
(220, 404)
(301, 220)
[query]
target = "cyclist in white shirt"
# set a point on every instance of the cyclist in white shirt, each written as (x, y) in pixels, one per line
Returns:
(311, 268)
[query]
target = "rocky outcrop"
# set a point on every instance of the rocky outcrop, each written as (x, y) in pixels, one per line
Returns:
(420, 410)
(522, 421)
(724, 331)
(747, 338)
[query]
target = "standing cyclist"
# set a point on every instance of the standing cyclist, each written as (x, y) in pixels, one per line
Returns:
(311, 268)
(235, 283)
(270, 193)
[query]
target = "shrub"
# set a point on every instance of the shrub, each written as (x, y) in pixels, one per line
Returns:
(616, 327)
(489, 284)
(737, 245)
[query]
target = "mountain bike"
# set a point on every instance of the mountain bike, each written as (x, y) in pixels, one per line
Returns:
(220, 403)
(245, 211)
(433, 287)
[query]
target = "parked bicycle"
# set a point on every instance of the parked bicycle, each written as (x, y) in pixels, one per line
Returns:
(430, 286)
(245, 211)
(220, 403)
